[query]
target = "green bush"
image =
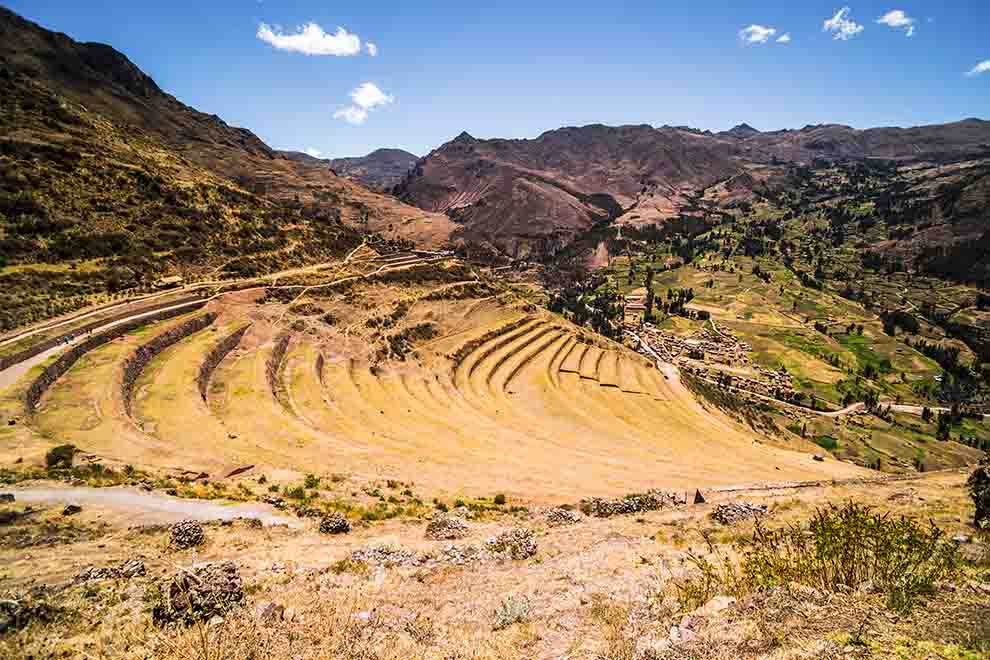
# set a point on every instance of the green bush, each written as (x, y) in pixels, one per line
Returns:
(500, 499)
(311, 481)
(827, 442)
(60, 457)
(850, 546)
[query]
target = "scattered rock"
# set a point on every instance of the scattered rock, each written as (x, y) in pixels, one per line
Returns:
(730, 514)
(713, 606)
(559, 516)
(6, 497)
(208, 590)
(267, 611)
(651, 500)
(518, 543)
(960, 539)
(71, 509)
(384, 555)
(16, 614)
(289, 615)
(445, 527)
(819, 457)
(335, 523)
(276, 502)
(187, 534)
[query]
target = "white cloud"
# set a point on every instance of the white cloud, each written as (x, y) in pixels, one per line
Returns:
(784, 38)
(372, 49)
(841, 26)
(982, 67)
(310, 151)
(364, 98)
(756, 34)
(897, 19)
(310, 39)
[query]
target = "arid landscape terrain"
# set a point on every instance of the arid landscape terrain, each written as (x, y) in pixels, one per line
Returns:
(609, 393)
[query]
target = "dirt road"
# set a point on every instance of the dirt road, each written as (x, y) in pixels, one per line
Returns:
(150, 508)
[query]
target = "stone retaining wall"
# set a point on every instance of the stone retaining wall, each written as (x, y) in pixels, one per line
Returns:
(37, 349)
(136, 363)
(59, 367)
(215, 357)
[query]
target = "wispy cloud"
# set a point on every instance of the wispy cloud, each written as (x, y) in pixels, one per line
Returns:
(310, 151)
(372, 49)
(784, 38)
(364, 98)
(981, 67)
(310, 39)
(756, 34)
(841, 26)
(897, 19)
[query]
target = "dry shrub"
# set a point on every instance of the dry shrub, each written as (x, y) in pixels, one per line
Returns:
(842, 548)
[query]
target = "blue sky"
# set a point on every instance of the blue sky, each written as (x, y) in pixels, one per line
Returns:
(516, 69)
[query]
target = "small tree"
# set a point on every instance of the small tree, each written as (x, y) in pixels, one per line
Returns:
(979, 489)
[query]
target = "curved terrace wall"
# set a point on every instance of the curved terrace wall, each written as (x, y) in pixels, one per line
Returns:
(59, 367)
(137, 362)
(215, 357)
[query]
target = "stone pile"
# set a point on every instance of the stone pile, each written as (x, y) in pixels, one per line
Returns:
(186, 534)
(518, 543)
(559, 516)
(334, 523)
(730, 514)
(651, 500)
(125, 570)
(384, 555)
(207, 590)
(445, 527)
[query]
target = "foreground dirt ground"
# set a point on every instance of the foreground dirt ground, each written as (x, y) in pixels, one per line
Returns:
(599, 588)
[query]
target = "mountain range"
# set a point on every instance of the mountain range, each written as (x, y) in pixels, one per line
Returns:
(521, 197)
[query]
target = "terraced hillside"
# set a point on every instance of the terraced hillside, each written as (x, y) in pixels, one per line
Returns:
(407, 366)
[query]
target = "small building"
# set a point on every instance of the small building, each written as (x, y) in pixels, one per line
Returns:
(634, 309)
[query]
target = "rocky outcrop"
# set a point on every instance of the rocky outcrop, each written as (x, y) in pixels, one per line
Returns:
(146, 353)
(59, 367)
(215, 357)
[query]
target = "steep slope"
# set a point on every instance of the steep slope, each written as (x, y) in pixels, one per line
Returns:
(105, 82)
(533, 196)
(107, 183)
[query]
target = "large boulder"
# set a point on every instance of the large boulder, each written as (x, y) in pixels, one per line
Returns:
(206, 591)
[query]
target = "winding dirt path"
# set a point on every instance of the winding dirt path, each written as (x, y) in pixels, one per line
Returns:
(151, 508)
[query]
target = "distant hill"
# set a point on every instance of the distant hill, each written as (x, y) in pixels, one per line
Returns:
(532, 197)
(382, 169)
